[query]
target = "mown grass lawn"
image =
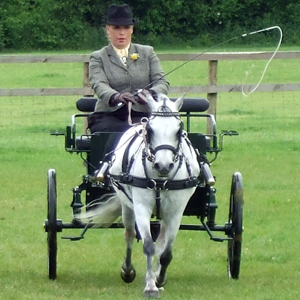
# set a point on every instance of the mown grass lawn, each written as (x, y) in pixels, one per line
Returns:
(266, 152)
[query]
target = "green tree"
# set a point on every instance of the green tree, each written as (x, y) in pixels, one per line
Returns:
(69, 24)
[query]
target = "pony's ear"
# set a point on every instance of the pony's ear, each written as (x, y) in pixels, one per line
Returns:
(179, 102)
(151, 102)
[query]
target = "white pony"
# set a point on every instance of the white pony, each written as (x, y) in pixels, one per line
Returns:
(155, 172)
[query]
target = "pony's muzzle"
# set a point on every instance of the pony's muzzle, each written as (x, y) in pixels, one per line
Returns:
(163, 169)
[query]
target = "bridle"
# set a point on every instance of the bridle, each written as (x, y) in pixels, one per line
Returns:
(150, 152)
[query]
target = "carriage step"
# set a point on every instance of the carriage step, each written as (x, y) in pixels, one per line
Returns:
(213, 238)
(220, 239)
(77, 238)
(73, 238)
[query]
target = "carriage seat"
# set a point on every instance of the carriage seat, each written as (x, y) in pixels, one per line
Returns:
(87, 105)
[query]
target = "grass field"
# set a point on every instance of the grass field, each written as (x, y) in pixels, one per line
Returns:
(266, 152)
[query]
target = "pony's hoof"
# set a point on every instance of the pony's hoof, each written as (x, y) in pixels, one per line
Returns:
(151, 294)
(128, 275)
(161, 282)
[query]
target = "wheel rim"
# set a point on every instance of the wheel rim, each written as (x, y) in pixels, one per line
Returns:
(52, 226)
(236, 225)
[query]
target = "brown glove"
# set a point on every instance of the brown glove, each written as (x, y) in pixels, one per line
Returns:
(141, 96)
(122, 98)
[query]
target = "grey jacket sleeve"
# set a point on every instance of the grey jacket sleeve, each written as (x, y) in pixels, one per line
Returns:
(98, 78)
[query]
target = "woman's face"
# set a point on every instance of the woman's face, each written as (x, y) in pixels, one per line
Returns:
(119, 36)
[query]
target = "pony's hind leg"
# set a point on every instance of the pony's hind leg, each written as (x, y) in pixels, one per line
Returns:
(127, 271)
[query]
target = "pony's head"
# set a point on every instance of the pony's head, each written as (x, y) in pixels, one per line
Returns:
(164, 131)
(164, 102)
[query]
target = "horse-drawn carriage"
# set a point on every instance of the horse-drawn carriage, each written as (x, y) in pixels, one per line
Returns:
(155, 165)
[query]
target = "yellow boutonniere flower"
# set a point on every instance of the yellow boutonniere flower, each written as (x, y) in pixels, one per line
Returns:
(134, 56)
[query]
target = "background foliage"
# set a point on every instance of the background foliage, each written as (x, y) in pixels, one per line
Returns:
(56, 24)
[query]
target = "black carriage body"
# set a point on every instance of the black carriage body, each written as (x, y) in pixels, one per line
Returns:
(92, 148)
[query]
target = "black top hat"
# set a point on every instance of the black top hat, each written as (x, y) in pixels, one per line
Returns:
(119, 15)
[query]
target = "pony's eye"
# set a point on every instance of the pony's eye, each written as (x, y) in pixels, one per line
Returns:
(179, 132)
(149, 129)
(149, 133)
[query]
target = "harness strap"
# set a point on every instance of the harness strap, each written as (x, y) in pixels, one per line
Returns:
(121, 188)
(125, 161)
(152, 184)
(158, 201)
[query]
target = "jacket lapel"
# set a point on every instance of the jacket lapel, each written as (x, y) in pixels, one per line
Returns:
(132, 49)
(114, 58)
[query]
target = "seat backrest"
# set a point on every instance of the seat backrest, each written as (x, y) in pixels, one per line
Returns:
(87, 104)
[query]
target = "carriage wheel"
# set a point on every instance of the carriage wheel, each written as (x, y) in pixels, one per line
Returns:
(52, 225)
(236, 226)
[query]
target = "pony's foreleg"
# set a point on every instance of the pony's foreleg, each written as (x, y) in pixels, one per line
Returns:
(143, 216)
(127, 271)
(161, 277)
(151, 290)
(164, 261)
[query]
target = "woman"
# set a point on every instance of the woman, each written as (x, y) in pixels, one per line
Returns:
(118, 70)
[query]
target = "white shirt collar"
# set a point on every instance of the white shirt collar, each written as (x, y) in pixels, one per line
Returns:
(122, 53)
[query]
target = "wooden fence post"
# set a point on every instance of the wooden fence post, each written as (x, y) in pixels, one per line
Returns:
(86, 83)
(212, 97)
(86, 75)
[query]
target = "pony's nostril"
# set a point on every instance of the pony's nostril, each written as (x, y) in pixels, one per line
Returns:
(171, 166)
(156, 166)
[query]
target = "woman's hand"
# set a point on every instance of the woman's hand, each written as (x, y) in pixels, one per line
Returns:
(141, 96)
(122, 98)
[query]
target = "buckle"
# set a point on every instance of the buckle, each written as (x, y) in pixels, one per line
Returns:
(125, 178)
(154, 184)
(165, 186)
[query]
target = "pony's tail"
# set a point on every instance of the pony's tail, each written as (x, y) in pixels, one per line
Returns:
(102, 212)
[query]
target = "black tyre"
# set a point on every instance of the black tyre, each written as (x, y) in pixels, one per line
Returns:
(235, 222)
(52, 224)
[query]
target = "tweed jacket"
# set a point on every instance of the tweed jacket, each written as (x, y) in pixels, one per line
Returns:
(108, 75)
